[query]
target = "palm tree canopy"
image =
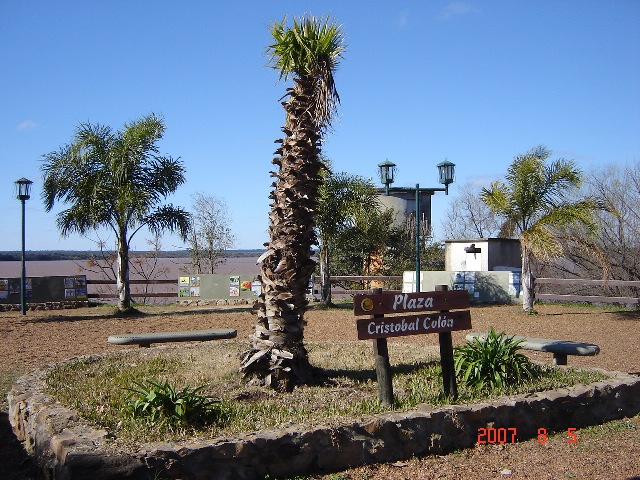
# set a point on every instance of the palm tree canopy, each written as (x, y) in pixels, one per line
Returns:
(534, 200)
(310, 50)
(114, 179)
(342, 197)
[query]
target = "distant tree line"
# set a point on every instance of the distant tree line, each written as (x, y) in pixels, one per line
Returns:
(56, 255)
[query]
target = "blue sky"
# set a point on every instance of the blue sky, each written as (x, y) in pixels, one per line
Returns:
(476, 82)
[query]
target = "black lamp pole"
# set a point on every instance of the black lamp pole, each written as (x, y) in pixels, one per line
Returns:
(23, 187)
(446, 171)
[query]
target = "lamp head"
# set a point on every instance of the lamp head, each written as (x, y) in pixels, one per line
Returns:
(387, 170)
(23, 188)
(446, 172)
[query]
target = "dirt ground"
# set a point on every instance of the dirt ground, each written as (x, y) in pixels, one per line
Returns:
(609, 451)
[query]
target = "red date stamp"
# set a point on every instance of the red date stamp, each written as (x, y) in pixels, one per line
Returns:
(501, 436)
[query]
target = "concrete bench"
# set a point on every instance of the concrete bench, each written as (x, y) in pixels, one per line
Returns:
(146, 339)
(559, 348)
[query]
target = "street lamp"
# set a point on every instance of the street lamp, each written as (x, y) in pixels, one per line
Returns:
(446, 173)
(387, 171)
(23, 189)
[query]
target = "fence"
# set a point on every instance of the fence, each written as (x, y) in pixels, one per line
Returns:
(136, 294)
(579, 290)
(173, 290)
(376, 280)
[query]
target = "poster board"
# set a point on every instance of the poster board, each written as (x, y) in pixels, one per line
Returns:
(44, 289)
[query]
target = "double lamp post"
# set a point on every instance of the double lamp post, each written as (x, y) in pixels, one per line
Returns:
(23, 193)
(446, 172)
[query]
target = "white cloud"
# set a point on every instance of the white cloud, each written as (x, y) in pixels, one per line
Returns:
(26, 125)
(402, 20)
(482, 180)
(456, 9)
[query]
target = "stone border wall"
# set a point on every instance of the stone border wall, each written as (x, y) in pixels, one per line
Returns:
(8, 307)
(67, 449)
(194, 302)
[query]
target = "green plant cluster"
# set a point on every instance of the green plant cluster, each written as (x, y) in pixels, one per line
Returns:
(160, 401)
(493, 362)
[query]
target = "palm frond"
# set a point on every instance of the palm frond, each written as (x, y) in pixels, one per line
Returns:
(168, 217)
(541, 242)
(497, 198)
(311, 49)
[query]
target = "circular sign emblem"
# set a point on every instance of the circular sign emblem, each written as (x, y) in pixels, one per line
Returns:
(367, 304)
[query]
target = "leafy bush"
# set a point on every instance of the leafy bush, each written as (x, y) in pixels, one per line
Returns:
(492, 363)
(157, 401)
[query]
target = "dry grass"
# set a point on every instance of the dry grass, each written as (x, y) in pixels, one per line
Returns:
(345, 388)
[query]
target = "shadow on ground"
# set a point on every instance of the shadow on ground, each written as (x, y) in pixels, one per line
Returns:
(16, 464)
(61, 318)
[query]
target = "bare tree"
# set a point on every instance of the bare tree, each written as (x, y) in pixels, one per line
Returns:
(469, 217)
(617, 187)
(209, 235)
(144, 265)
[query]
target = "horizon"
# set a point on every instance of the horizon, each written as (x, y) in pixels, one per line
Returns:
(80, 250)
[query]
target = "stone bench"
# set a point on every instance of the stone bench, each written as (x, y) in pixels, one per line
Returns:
(559, 348)
(146, 339)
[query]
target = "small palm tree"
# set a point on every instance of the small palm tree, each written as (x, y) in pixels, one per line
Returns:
(115, 180)
(309, 51)
(343, 198)
(534, 203)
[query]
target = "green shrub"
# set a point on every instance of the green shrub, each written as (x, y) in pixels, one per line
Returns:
(155, 401)
(492, 363)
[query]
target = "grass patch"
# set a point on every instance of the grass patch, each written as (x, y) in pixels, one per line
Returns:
(7, 379)
(345, 387)
(610, 429)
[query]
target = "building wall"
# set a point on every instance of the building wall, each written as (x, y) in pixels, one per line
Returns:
(455, 257)
(404, 205)
(504, 252)
(483, 287)
(495, 254)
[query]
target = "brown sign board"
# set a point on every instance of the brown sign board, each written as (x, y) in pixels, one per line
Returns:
(403, 325)
(385, 303)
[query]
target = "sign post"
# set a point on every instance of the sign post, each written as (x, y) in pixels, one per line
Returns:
(446, 357)
(383, 367)
(438, 319)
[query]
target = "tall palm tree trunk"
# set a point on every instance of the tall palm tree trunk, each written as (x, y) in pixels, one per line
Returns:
(277, 356)
(325, 279)
(528, 292)
(122, 282)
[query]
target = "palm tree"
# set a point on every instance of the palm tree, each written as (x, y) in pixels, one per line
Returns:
(115, 180)
(309, 52)
(534, 203)
(342, 199)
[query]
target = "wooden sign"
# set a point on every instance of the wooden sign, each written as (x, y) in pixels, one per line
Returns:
(401, 326)
(387, 303)
(440, 320)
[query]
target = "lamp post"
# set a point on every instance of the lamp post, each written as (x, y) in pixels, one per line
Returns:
(446, 172)
(23, 189)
